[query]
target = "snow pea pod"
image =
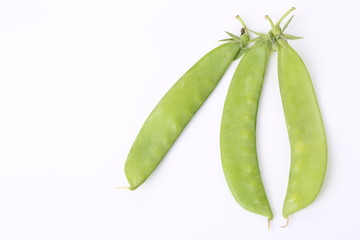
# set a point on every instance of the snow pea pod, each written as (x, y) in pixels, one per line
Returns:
(238, 131)
(304, 123)
(305, 129)
(170, 116)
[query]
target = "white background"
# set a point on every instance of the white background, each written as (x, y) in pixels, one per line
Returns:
(78, 79)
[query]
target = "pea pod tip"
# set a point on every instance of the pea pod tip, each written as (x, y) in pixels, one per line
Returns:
(286, 224)
(118, 188)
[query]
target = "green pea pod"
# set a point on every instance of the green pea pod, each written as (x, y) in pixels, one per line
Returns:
(176, 108)
(305, 129)
(304, 123)
(238, 131)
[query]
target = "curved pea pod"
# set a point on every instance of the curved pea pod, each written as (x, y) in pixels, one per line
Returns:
(176, 108)
(305, 129)
(238, 131)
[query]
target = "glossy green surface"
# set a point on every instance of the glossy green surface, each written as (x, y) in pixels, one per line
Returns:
(174, 111)
(305, 129)
(238, 131)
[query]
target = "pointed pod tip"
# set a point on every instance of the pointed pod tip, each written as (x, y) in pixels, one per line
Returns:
(118, 188)
(287, 222)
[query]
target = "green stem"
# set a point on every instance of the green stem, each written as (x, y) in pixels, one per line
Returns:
(270, 21)
(241, 21)
(284, 16)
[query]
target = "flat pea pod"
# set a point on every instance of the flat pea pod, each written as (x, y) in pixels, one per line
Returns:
(176, 108)
(238, 131)
(304, 123)
(305, 129)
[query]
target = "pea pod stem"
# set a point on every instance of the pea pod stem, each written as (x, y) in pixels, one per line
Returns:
(275, 28)
(270, 21)
(241, 22)
(285, 15)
